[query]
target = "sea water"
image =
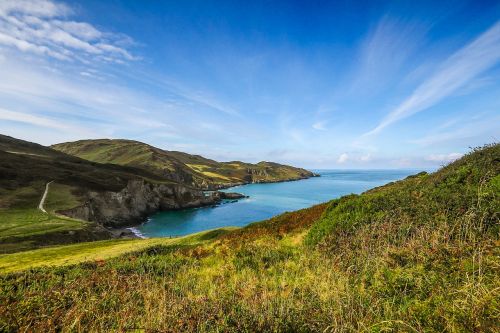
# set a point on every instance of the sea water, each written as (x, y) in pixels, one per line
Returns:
(267, 200)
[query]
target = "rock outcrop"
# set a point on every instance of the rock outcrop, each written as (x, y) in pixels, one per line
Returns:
(139, 199)
(231, 195)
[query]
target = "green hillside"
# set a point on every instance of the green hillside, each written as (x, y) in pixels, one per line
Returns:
(194, 170)
(26, 168)
(417, 255)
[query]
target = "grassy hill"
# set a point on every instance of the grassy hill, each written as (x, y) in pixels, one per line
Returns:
(26, 168)
(190, 169)
(417, 255)
(112, 182)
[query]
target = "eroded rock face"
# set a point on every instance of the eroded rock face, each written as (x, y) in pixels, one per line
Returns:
(231, 195)
(138, 199)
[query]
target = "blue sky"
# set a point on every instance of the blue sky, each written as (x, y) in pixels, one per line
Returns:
(318, 84)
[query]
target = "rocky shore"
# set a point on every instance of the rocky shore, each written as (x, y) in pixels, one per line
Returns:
(260, 181)
(117, 211)
(140, 198)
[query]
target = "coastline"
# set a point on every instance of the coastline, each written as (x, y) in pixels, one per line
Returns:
(137, 233)
(233, 185)
(131, 231)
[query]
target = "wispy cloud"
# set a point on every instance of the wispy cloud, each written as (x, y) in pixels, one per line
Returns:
(471, 129)
(443, 157)
(182, 91)
(383, 52)
(454, 73)
(344, 157)
(43, 27)
(319, 125)
(40, 121)
(48, 98)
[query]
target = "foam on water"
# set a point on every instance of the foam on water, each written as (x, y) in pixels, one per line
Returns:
(137, 232)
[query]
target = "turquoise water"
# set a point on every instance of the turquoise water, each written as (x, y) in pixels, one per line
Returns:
(267, 200)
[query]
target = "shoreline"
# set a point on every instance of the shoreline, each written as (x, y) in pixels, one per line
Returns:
(137, 233)
(233, 185)
(131, 232)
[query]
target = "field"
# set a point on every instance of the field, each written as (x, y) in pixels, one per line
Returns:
(23, 223)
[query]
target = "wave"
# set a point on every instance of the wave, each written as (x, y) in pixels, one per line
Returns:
(136, 232)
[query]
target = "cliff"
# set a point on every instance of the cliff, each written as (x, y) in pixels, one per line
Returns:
(136, 201)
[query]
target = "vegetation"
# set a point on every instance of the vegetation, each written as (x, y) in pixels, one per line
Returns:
(25, 169)
(193, 170)
(23, 226)
(418, 255)
(94, 251)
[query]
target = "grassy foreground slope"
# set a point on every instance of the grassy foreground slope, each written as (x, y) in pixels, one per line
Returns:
(94, 251)
(418, 255)
(193, 170)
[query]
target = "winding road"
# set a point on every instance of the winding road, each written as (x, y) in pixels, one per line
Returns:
(40, 205)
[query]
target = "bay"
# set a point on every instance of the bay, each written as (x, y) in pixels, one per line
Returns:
(268, 200)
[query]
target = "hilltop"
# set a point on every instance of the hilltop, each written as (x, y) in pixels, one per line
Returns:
(193, 170)
(417, 255)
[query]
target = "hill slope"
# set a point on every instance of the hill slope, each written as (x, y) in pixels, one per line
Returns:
(193, 170)
(417, 255)
(109, 194)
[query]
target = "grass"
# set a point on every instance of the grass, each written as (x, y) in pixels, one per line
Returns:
(201, 169)
(23, 226)
(418, 255)
(23, 218)
(60, 197)
(192, 170)
(93, 251)
(29, 222)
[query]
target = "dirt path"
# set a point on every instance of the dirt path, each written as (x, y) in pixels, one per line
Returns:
(40, 205)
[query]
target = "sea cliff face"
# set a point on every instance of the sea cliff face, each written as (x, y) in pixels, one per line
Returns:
(137, 200)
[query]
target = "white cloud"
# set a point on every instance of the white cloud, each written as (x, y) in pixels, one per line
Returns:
(443, 157)
(320, 126)
(355, 158)
(383, 52)
(365, 158)
(454, 73)
(42, 27)
(25, 46)
(41, 8)
(82, 30)
(26, 118)
(343, 158)
(471, 129)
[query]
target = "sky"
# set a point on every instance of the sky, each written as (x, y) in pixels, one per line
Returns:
(316, 84)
